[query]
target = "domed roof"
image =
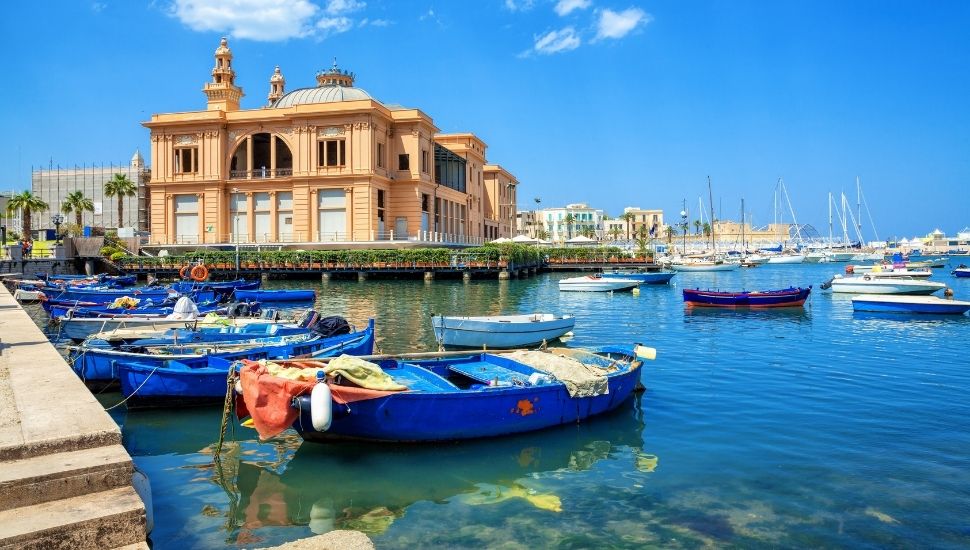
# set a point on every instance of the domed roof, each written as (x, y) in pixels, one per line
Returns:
(321, 94)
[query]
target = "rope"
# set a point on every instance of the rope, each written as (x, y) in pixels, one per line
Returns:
(226, 409)
(134, 392)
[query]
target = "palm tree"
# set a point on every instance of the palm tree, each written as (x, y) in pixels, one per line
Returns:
(569, 220)
(670, 234)
(588, 232)
(697, 227)
(615, 232)
(77, 203)
(28, 203)
(707, 229)
(121, 187)
(629, 217)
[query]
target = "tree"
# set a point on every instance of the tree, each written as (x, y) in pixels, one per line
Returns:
(629, 217)
(121, 187)
(707, 229)
(542, 234)
(28, 203)
(569, 220)
(615, 232)
(588, 232)
(697, 227)
(670, 234)
(77, 203)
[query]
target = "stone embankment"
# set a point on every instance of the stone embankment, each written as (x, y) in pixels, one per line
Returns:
(65, 478)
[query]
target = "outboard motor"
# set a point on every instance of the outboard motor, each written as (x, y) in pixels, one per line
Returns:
(238, 309)
(827, 284)
(330, 326)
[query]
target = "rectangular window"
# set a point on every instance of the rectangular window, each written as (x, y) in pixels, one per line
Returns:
(331, 152)
(380, 155)
(187, 160)
(424, 161)
(380, 205)
(404, 161)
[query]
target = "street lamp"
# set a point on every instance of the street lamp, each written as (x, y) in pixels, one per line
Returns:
(235, 229)
(57, 220)
(683, 225)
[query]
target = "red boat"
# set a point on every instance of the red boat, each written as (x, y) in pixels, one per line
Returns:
(789, 297)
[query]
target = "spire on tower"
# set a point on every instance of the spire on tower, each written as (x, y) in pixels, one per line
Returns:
(222, 92)
(277, 85)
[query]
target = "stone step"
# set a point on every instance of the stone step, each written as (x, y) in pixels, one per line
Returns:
(44, 478)
(107, 519)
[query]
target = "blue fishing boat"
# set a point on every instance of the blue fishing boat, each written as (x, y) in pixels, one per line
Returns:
(107, 295)
(451, 396)
(100, 366)
(276, 295)
(645, 277)
(73, 309)
(193, 335)
(182, 382)
(223, 289)
(909, 304)
(961, 271)
(789, 297)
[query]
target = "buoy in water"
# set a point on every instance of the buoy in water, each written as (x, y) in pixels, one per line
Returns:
(636, 291)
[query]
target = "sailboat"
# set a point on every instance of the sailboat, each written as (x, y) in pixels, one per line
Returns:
(714, 264)
(787, 257)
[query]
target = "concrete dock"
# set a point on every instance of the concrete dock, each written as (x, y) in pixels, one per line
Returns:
(65, 478)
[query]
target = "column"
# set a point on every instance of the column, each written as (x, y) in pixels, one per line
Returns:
(249, 157)
(250, 218)
(272, 155)
(314, 217)
(273, 214)
(170, 218)
(201, 207)
(349, 202)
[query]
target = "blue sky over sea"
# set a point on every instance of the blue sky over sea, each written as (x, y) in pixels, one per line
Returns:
(611, 102)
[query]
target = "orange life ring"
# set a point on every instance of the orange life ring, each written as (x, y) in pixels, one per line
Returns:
(199, 273)
(849, 269)
(183, 271)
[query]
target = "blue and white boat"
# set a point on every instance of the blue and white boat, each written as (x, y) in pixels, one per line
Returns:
(909, 304)
(500, 331)
(644, 277)
(448, 397)
(107, 295)
(962, 271)
(101, 366)
(179, 381)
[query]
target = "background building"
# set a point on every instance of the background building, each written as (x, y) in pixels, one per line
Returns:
(562, 224)
(635, 221)
(327, 163)
(52, 185)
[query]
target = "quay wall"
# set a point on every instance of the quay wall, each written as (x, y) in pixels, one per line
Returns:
(65, 478)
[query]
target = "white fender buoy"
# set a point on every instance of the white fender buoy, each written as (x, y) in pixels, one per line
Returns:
(321, 407)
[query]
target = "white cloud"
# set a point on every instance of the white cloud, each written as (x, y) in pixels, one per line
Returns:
(98, 7)
(613, 24)
(380, 23)
(559, 41)
(564, 7)
(334, 25)
(266, 20)
(337, 7)
(519, 5)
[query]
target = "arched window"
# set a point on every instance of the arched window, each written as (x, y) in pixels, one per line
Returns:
(260, 163)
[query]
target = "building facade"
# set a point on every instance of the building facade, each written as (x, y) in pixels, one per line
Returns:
(634, 222)
(52, 185)
(562, 224)
(327, 163)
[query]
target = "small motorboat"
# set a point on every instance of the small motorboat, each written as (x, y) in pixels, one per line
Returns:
(596, 283)
(888, 270)
(909, 304)
(787, 259)
(276, 295)
(426, 397)
(869, 284)
(961, 271)
(789, 297)
(644, 277)
(500, 331)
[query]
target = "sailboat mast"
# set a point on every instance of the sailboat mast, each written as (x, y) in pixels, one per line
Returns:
(858, 205)
(744, 245)
(710, 197)
(830, 219)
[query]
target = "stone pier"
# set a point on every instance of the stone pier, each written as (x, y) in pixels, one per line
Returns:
(65, 479)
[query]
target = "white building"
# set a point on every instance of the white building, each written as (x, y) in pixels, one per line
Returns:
(562, 224)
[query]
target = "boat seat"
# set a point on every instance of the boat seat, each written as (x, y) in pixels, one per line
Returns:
(418, 379)
(488, 373)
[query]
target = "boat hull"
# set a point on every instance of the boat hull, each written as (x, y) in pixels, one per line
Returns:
(661, 278)
(909, 304)
(699, 267)
(792, 297)
(595, 284)
(276, 295)
(792, 259)
(876, 285)
(493, 332)
(961, 272)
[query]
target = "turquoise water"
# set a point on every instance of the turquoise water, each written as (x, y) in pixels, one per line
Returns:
(811, 427)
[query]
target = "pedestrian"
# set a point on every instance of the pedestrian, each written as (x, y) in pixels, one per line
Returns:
(23, 248)
(29, 249)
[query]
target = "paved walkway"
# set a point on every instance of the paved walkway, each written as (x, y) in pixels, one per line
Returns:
(65, 479)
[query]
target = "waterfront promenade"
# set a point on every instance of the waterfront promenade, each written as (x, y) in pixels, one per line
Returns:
(65, 478)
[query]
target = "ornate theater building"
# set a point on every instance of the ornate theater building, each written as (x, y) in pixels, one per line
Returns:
(323, 164)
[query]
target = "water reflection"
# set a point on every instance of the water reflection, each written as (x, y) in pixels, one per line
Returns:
(368, 486)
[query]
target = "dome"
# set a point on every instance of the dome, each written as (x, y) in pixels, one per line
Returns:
(321, 94)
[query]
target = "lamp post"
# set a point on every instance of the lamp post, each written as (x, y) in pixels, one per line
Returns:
(57, 220)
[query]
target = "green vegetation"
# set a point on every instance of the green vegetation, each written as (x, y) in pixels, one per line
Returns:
(77, 203)
(490, 255)
(27, 202)
(120, 186)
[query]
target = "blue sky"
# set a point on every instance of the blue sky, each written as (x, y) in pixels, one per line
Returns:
(609, 102)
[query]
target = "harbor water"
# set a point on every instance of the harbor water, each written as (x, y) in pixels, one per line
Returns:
(805, 427)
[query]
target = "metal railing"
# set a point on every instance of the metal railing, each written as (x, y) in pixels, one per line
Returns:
(428, 237)
(261, 173)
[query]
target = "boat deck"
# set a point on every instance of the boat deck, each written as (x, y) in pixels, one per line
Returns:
(488, 373)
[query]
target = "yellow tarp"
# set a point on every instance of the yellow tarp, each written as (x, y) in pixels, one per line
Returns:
(363, 373)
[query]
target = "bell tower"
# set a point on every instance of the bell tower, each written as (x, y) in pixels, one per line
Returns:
(222, 92)
(277, 85)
